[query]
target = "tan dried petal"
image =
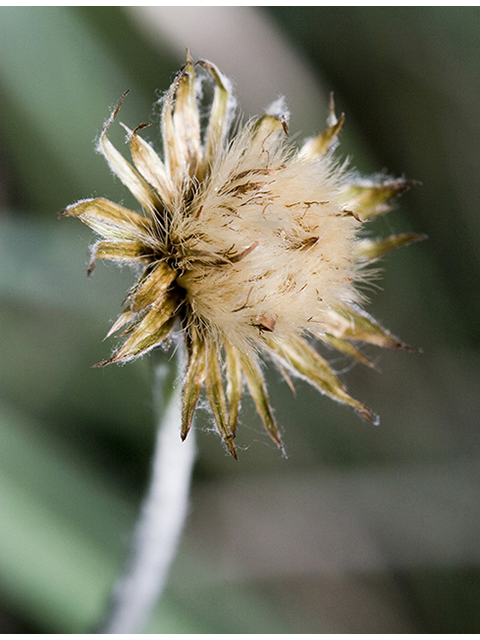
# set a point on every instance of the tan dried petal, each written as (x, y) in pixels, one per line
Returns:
(352, 324)
(124, 170)
(110, 220)
(218, 121)
(152, 288)
(267, 131)
(346, 347)
(194, 379)
(373, 249)
(181, 127)
(186, 119)
(315, 147)
(315, 370)
(148, 333)
(368, 200)
(149, 165)
(218, 403)
(120, 251)
(258, 391)
(124, 318)
(234, 384)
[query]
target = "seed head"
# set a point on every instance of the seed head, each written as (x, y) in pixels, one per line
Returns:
(248, 246)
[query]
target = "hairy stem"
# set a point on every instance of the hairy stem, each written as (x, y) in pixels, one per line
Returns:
(163, 513)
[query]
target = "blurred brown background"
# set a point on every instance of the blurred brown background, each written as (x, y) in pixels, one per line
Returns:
(362, 529)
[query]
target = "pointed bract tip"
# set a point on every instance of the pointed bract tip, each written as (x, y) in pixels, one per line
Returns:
(114, 114)
(101, 364)
(369, 415)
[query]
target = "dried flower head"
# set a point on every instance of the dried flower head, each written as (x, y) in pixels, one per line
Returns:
(248, 245)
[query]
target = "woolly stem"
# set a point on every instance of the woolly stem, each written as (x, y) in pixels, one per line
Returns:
(163, 513)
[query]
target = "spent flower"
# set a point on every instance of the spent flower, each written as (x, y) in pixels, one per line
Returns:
(247, 245)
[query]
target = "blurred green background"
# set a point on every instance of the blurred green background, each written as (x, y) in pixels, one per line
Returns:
(362, 529)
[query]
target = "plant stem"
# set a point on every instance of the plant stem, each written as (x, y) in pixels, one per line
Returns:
(163, 513)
